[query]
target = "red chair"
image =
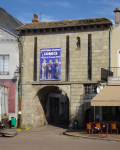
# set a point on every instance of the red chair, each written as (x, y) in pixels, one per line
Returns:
(88, 126)
(114, 127)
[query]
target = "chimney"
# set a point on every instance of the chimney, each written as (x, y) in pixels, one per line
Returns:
(116, 15)
(35, 18)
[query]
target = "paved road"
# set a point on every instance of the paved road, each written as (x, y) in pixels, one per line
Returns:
(51, 138)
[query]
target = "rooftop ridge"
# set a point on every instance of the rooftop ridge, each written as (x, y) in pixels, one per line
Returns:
(11, 16)
(64, 23)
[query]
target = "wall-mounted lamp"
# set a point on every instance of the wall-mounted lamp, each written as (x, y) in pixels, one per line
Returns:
(16, 73)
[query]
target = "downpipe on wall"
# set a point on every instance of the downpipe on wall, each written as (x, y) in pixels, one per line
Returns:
(20, 84)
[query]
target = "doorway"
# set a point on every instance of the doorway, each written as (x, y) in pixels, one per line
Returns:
(54, 110)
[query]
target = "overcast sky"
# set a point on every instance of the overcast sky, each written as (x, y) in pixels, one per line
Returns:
(55, 10)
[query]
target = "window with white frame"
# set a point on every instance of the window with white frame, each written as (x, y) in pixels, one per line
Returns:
(4, 64)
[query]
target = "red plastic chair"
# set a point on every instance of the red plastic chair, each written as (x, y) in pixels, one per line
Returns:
(114, 127)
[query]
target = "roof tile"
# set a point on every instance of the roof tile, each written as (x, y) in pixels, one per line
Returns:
(63, 23)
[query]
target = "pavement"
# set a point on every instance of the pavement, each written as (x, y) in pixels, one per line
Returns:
(51, 137)
(83, 134)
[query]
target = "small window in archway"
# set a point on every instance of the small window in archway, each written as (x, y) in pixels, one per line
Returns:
(78, 42)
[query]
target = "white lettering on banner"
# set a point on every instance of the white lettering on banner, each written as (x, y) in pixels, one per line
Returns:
(51, 53)
(56, 49)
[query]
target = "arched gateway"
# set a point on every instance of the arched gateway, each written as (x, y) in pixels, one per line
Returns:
(47, 104)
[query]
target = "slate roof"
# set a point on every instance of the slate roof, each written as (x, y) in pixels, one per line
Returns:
(8, 22)
(64, 23)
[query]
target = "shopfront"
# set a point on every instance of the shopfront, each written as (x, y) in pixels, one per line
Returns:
(109, 99)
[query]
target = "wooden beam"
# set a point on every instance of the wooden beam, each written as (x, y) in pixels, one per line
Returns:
(88, 27)
(102, 26)
(26, 31)
(38, 30)
(32, 31)
(44, 30)
(67, 58)
(50, 30)
(75, 28)
(63, 29)
(56, 29)
(82, 28)
(35, 60)
(69, 29)
(89, 57)
(95, 27)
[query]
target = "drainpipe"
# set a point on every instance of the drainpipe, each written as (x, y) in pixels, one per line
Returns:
(111, 28)
(110, 53)
(20, 84)
(21, 69)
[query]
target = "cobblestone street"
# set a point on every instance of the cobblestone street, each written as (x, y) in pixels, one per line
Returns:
(51, 138)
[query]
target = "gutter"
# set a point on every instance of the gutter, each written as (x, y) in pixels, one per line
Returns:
(110, 51)
(112, 27)
(21, 69)
(20, 84)
(9, 32)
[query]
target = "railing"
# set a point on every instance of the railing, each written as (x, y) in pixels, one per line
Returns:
(112, 71)
(98, 129)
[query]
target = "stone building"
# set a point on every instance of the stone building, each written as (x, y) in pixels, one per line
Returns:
(84, 50)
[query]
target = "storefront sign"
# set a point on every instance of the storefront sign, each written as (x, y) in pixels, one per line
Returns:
(50, 64)
(113, 80)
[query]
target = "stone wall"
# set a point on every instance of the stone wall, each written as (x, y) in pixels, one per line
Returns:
(32, 111)
(78, 57)
(33, 102)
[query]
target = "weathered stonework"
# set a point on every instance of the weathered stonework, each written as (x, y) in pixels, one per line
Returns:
(32, 111)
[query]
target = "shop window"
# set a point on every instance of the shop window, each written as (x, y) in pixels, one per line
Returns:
(4, 64)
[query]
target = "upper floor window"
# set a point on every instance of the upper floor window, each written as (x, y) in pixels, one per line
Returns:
(4, 64)
(78, 42)
(90, 88)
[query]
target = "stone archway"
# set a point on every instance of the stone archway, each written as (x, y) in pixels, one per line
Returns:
(65, 88)
(33, 103)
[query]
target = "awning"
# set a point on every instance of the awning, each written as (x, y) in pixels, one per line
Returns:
(109, 96)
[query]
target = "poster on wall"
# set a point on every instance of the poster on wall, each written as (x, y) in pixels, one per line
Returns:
(50, 64)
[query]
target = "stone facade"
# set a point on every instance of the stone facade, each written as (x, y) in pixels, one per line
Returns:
(78, 58)
(32, 111)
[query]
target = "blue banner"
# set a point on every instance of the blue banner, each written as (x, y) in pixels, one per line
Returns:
(50, 64)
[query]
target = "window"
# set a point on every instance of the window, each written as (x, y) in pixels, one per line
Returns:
(90, 88)
(78, 42)
(4, 64)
